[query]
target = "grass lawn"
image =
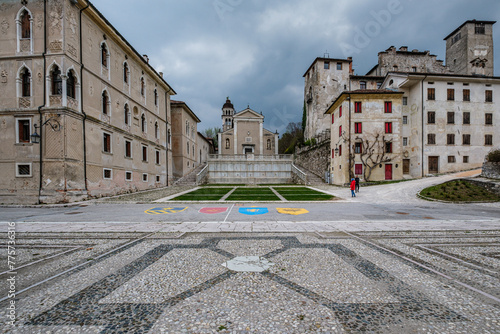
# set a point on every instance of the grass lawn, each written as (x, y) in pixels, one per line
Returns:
(204, 194)
(302, 194)
(460, 191)
(253, 194)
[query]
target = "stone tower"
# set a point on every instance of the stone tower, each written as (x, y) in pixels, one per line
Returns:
(227, 115)
(469, 48)
(324, 80)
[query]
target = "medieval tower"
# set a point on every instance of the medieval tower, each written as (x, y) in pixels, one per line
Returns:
(469, 48)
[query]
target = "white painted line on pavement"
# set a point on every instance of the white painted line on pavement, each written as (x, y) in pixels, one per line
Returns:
(231, 208)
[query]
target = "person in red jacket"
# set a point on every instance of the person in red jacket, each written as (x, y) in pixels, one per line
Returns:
(353, 187)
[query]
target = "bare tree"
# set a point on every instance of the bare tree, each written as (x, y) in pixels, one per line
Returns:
(373, 153)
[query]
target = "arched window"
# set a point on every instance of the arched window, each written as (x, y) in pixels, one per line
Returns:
(126, 114)
(157, 130)
(193, 151)
(142, 87)
(156, 97)
(26, 83)
(143, 123)
(269, 144)
(105, 103)
(168, 137)
(187, 128)
(25, 25)
(104, 55)
(187, 147)
(228, 143)
(56, 81)
(125, 72)
(70, 85)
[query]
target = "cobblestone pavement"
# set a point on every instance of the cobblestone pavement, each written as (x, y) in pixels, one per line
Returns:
(332, 282)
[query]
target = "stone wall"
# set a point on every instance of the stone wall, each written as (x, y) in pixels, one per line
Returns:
(250, 169)
(491, 170)
(315, 158)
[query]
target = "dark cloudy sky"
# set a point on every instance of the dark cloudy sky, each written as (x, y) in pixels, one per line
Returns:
(256, 51)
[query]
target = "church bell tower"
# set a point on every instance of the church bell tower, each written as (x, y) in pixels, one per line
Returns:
(227, 115)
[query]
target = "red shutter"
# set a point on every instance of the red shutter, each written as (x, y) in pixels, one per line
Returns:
(20, 126)
(388, 107)
(358, 169)
(357, 107)
(25, 26)
(388, 127)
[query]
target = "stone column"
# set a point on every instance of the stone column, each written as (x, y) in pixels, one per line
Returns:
(261, 138)
(219, 136)
(276, 143)
(235, 138)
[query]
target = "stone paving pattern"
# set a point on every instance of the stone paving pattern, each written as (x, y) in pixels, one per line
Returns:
(331, 282)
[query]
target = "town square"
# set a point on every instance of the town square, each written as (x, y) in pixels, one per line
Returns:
(249, 167)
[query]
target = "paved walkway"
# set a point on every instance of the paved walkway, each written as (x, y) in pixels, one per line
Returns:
(338, 282)
(330, 276)
(402, 192)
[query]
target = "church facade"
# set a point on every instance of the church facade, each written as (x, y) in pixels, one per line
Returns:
(243, 133)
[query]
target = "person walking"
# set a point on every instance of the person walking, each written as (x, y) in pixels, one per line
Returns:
(357, 183)
(353, 187)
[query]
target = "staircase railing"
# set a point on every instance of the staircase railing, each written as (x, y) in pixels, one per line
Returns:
(202, 175)
(300, 174)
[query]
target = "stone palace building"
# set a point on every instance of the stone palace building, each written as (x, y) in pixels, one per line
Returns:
(410, 115)
(82, 113)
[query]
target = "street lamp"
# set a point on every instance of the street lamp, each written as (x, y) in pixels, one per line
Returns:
(52, 122)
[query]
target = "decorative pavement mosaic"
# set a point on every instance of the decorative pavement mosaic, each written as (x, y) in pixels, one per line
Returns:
(375, 282)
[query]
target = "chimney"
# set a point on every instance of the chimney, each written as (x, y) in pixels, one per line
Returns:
(161, 74)
(146, 58)
(350, 65)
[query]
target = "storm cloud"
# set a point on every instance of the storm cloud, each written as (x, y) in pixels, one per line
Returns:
(256, 51)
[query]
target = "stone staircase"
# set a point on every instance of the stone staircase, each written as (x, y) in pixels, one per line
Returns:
(312, 179)
(189, 179)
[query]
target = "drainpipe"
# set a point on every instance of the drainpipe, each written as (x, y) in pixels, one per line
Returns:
(423, 117)
(166, 119)
(44, 99)
(349, 141)
(82, 66)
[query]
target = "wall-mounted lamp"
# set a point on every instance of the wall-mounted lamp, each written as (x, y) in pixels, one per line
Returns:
(343, 139)
(52, 122)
